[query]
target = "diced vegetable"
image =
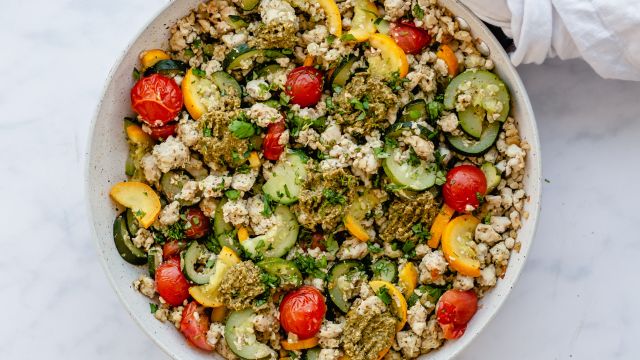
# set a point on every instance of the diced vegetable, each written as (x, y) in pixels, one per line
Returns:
(172, 183)
(312, 354)
(336, 286)
(198, 93)
(457, 245)
(288, 176)
(154, 259)
(190, 265)
(363, 22)
(279, 240)
(140, 198)
(416, 178)
(209, 294)
(408, 278)
(167, 67)
(219, 225)
(132, 222)
(358, 210)
(446, 53)
(241, 338)
(472, 120)
(391, 58)
(129, 252)
(242, 54)
(439, 224)
(342, 73)
(237, 22)
(226, 84)
(243, 234)
(414, 111)
(397, 129)
(398, 303)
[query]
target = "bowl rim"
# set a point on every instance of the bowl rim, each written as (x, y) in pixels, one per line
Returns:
(462, 11)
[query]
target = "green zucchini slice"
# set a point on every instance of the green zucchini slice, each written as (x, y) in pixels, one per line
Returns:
(172, 183)
(288, 176)
(129, 252)
(243, 53)
(467, 146)
(154, 259)
(342, 73)
(472, 120)
(384, 269)
(414, 111)
(241, 338)
(191, 267)
(487, 91)
(416, 178)
(492, 175)
(226, 84)
(167, 67)
(279, 240)
(285, 270)
(337, 288)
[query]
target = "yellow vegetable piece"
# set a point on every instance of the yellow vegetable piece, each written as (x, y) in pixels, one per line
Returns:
(334, 21)
(398, 303)
(243, 234)
(300, 344)
(140, 198)
(391, 59)
(199, 94)
(254, 160)
(439, 224)
(209, 294)
(355, 228)
(151, 57)
(308, 61)
(218, 314)
(139, 137)
(408, 278)
(446, 53)
(457, 245)
(363, 22)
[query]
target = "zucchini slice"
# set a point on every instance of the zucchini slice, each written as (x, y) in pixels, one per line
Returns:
(416, 178)
(337, 291)
(487, 90)
(132, 223)
(243, 53)
(167, 67)
(236, 22)
(190, 266)
(398, 128)
(384, 270)
(467, 146)
(288, 176)
(342, 73)
(472, 120)
(241, 338)
(492, 175)
(129, 252)
(414, 111)
(172, 183)
(285, 270)
(219, 225)
(312, 354)
(268, 70)
(279, 240)
(226, 84)
(248, 5)
(154, 258)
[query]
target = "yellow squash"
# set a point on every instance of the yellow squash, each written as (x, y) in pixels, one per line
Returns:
(140, 198)
(334, 21)
(363, 25)
(391, 59)
(398, 303)
(458, 245)
(209, 294)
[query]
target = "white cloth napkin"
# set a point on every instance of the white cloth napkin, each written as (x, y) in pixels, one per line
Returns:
(606, 33)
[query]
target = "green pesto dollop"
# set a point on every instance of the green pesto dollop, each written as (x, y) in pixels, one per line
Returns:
(366, 334)
(404, 214)
(241, 285)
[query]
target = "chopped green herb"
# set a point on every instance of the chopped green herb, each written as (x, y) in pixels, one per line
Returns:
(390, 143)
(413, 160)
(232, 194)
(333, 197)
(412, 300)
(207, 132)
(479, 197)
(266, 208)
(374, 248)
(136, 74)
(269, 280)
(212, 243)
(153, 307)
(417, 12)
(331, 244)
(330, 39)
(175, 231)
(199, 73)
(487, 219)
(310, 266)
(242, 129)
(396, 82)
(380, 153)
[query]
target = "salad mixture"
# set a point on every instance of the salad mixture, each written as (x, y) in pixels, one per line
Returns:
(320, 180)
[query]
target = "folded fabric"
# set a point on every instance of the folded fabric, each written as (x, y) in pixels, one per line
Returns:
(606, 33)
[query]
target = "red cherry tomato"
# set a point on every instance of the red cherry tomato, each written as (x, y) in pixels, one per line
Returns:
(271, 147)
(161, 133)
(302, 311)
(194, 327)
(170, 283)
(304, 86)
(465, 185)
(454, 310)
(172, 248)
(157, 99)
(410, 38)
(197, 223)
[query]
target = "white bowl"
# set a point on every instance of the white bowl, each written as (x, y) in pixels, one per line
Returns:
(108, 151)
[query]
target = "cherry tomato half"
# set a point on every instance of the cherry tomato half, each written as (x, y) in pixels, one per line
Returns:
(410, 38)
(172, 248)
(304, 86)
(157, 99)
(194, 327)
(465, 185)
(197, 223)
(161, 133)
(271, 147)
(171, 283)
(302, 311)
(454, 310)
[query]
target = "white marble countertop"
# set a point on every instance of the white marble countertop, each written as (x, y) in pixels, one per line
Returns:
(577, 297)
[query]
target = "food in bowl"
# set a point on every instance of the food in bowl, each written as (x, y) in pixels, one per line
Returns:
(319, 180)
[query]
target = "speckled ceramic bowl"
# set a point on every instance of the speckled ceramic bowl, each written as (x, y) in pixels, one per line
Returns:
(107, 151)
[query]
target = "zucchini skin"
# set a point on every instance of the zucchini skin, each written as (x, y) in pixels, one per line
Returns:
(487, 139)
(122, 238)
(336, 271)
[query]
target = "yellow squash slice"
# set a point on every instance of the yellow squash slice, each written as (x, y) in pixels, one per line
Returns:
(140, 198)
(391, 59)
